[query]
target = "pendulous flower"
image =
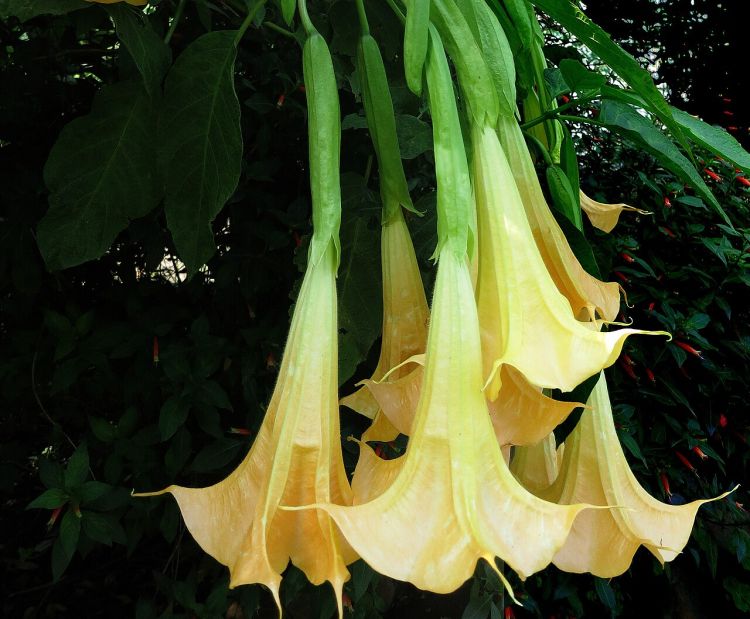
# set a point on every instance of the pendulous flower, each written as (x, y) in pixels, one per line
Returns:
(605, 216)
(594, 469)
(295, 460)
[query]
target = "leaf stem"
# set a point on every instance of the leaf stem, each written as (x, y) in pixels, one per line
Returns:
(581, 119)
(556, 111)
(540, 148)
(248, 20)
(175, 20)
(396, 10)
(276, 28)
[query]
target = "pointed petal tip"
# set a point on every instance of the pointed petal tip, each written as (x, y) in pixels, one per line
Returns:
(167, 490)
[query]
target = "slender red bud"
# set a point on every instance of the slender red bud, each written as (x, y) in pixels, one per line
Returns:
(156, 350)
(622, 276)
(665, 484)
(728, 113)
(628, 369)
(699, 452)
(732, 128)
(346, 602)
(684, 461)
(650, 375)
(651, 306)
(712, 175)
(627, 257)
(667, 231)
(280, 100)
(743, 181)
(53, 517)
(667, 202)
(723, 421)
(509, 614)
(242, 431)
(689, 349)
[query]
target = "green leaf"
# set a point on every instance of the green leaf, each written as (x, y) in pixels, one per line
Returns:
(96, 527)
(478, 608)
(51, 473)
(605, 593)
(519, 14)
(172, 416)
(70, 531)
(201, 142)
(563, 196)
(26, 9)
(714, 138)
(579, 78)
(149, 52)
(92, 490)
(555, 82)
(102, 429)
(288, 8)
(213, 394)
(49, 499)
(100, 174)
(598, 41)
(740, 592)
(78, 467)
(414, 136)
(359, 295)
(216, 455)
(626, 121)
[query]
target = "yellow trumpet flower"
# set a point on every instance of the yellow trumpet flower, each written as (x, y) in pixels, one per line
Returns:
(587, 295)
(405, 312)
(526, 322)
(454, 465)
(295, 460)
(537, 466)
(594, 469)
(605, 216)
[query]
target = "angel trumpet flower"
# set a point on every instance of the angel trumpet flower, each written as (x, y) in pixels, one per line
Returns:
(405, 313)
(537, 466)
(295, 460)
(526, 322)
(595, 470)
(454, 465)
(586, 294)
(605, 216)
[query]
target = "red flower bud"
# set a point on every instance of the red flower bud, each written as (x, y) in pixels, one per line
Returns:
(728, 113)
(667, 203)
(53, 517)
(346, 602)
(684, 461)
(651, 306)
(622, 276)
(565, 98)
(723, 421)
(689, 349)
(699, 452)
(280, 100)
(743, 181)
(156, 350)
(627, 257)
(509, 614)
(628, 369)
(650, 375)
(665, 484)
(732, 128)
(726, 99)
(242, 431)
(711, 174)
(666, 231)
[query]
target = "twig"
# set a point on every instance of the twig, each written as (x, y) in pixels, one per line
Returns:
(43, 410)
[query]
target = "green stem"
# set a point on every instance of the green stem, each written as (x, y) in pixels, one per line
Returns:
(175, 20)
(556, 112)
(305, 17)
(248, 20)
(362, 17)
(397, 10)
(541, 148)
(276, 28)
(581, 119)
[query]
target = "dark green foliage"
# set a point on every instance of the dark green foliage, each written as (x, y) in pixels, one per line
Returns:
(118, 372)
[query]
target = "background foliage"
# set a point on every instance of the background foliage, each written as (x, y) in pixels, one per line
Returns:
(121, 372)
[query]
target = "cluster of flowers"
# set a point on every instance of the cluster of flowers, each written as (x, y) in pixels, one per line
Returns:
(513, 314)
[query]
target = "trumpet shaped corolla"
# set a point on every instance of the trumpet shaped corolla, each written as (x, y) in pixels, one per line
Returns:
(537, 466)
(587, 295)
(405, 312)
(526, 322)
(605, 216)
(594, 469)
(295, 460)
(453, 501)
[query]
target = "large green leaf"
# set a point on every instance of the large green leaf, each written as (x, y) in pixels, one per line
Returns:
(626, 121)
(26, 9)
(100, 174)
(598, 41)
(201, 142)
(715, 139)
(149, 52)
